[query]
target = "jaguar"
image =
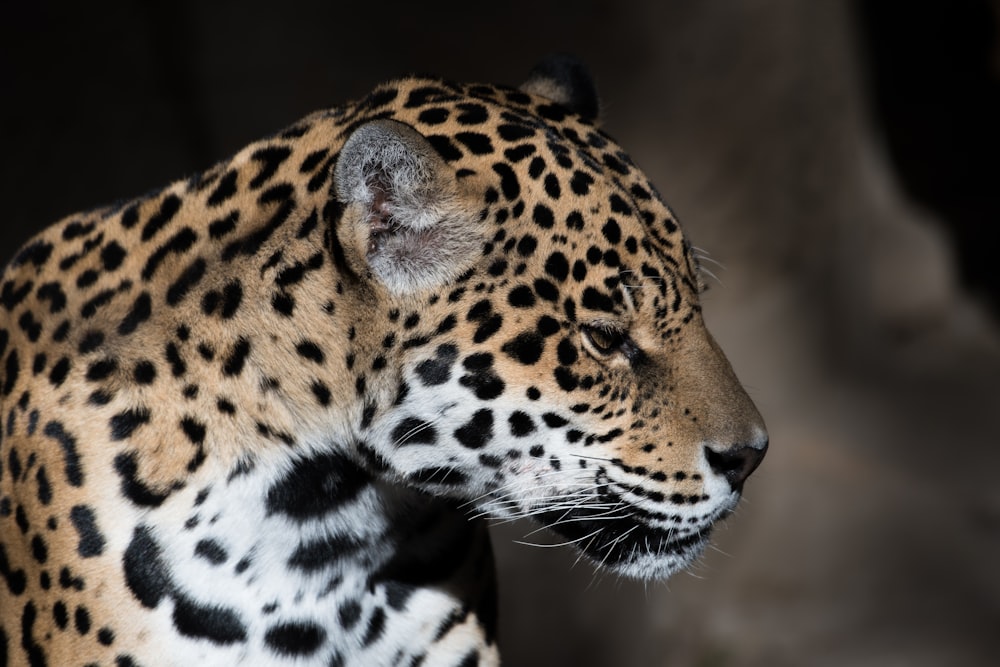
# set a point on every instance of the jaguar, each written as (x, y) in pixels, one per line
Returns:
(262, 415)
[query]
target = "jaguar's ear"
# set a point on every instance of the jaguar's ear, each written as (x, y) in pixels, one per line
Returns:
(566, 81)
(403, 212)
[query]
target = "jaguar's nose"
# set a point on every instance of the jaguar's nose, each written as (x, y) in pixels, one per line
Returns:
(735, 463)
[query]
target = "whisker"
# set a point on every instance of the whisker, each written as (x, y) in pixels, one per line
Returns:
(558, 544)
(610, 548)
(607, 515)
(593, 458)
(708, 258)
(704, 270)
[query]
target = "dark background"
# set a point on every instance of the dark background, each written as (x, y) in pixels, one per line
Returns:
(838, 159)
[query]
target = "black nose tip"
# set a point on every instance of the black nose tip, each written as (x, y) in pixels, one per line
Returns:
(737, 462)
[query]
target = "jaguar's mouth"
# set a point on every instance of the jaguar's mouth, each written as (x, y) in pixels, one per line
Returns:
(628, 546)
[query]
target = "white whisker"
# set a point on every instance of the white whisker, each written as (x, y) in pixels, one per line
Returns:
(558, 544)
(712, 275)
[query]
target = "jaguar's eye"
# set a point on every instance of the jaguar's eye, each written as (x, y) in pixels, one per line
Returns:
(604, 340)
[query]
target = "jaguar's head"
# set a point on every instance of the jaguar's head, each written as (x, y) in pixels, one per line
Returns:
(550, 352)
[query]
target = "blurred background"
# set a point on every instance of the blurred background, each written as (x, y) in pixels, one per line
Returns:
(838, 159)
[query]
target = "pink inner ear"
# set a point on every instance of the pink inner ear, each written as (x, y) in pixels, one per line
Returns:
(379, 219)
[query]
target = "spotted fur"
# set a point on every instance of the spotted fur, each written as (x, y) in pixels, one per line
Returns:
(259, 416)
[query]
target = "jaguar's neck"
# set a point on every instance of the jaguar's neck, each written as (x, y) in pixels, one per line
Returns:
(327, 560)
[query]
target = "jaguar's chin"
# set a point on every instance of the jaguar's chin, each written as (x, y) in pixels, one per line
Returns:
(650, 564)
(633, 549)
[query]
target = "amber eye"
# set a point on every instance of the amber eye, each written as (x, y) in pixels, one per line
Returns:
(604, 340)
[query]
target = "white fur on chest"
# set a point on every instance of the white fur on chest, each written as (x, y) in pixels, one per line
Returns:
(257, 577)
